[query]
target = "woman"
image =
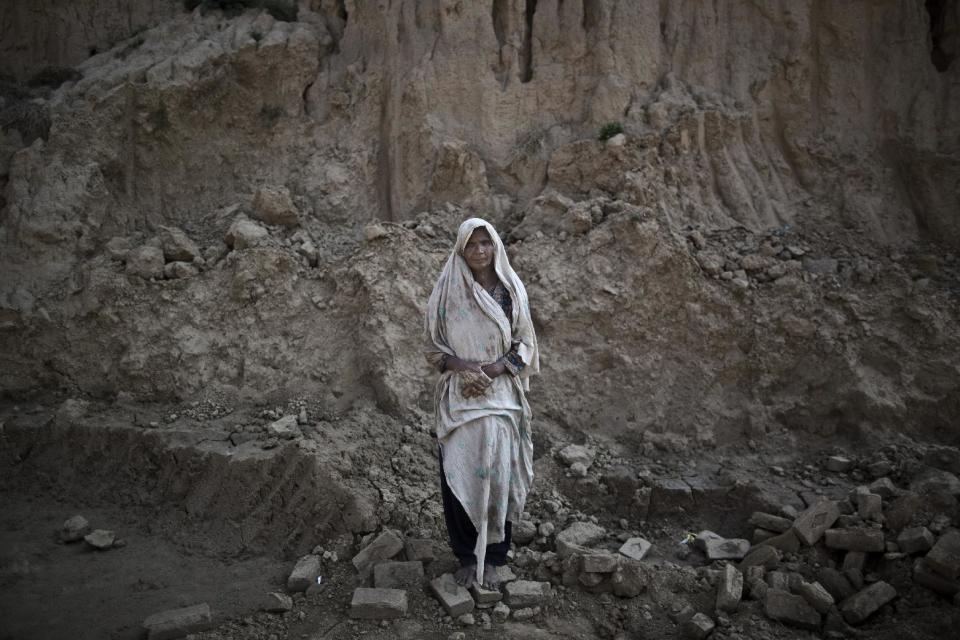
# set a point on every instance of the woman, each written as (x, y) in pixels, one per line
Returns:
(480, 336)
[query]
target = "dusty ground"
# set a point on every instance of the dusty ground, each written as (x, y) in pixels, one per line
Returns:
(177, 554)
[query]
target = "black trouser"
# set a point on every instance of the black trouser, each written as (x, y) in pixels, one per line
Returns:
(463, 535)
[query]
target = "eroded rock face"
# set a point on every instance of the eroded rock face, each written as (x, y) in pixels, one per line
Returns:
(426, 115)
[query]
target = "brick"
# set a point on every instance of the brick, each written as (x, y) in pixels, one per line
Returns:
(915, 540)
(700, 540)
(944, 557)
(816, 596)
(927, 577)
(869, 540)
(176, 623)
(835, 583)
(869, 506)
(757, 589)
(730, 589)
(727, 549)
(697, 627)
(578, 537)
(456, 600)
(761, 535)
(790, 609)
(669, 495)
(398, 575)
(762, 556)
(770, 522)
(378, 604)
(485, 596)
(304, 573)
(855, 577)
(787, 542)
(419, 549)
(814, 521)
(635, 548)
(854, 560)
(864, 603)
(384, 547)
(526, 593)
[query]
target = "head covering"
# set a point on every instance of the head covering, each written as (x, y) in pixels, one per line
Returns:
(457, 298)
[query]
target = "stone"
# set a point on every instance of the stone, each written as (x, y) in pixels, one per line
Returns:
(378, 604)
(179, 270)
(485, 596)
(811, 524)
(787, 542)
(524, 532)
(629, 580)
(779, 580)
(145, 262)
(936, 481)
(285, 428)
(854, 560)
(762, 556)
(761, 535)
(274, 205)
(573, 453)
(74, 529)
(927, 577)
(384, 547)
(398, 575)
(578, 470)
(419, 549)
(944, 557)
(816, 595)
(880, 468)
(501, 612)
(527, 593)
(118, 248)
(374, 230)
(578, 537)
(700, 540)
(728, 549)
(635, 548)
(770, 522)
(599, 562)
(526, 613)
(177, 246)
(915, 540)
(820, 266)
(730, 589)
(855, 577)
(304, 573)
(245, 233)
(866, 602)
(466, 620)
(176, 623)
(883, 487)
(790, 609)
(697, 627)
(869, 540)
(839, 464)
(757, 588)
(546, 529)
(668, 495)
(100, 539)
(276, 602)
(455, 600)
(870, 506)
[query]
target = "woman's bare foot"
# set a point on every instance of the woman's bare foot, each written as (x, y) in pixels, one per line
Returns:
(464, 576)
(491, 577)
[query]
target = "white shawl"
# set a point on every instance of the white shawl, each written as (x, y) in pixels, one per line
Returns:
(486, 442)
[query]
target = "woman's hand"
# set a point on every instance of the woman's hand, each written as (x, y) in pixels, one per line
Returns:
(495, 369)
(475, 379)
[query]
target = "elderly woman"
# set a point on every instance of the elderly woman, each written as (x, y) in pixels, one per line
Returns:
(480, 336)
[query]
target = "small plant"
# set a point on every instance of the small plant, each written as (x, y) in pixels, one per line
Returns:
(610, 129)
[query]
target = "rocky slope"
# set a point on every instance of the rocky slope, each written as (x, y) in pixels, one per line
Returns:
(769, 243)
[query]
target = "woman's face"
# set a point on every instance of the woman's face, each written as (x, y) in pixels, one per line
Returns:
(479, 250)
